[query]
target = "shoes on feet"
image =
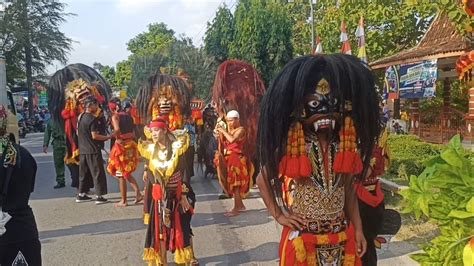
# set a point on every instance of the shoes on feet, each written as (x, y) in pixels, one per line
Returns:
(59, 185)
(84, 198)
(100, 200)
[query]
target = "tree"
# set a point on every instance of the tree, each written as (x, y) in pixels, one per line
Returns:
(158, 39)
(36, 37)
(391, 26)
(198, 65)
(262, 34)
(108, 73)
(143, 67)
(123, 72)
(220, 34)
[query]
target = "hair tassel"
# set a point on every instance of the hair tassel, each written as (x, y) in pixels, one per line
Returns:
(347, 159)
(295, 164)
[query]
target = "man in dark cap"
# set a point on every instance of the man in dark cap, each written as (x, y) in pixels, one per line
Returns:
(91, 162)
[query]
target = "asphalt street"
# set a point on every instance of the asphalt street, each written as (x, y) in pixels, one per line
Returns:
(88, 234)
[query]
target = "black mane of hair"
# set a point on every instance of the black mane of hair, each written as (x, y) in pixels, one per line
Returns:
(60, 79)
(180, 92)
(350, 80)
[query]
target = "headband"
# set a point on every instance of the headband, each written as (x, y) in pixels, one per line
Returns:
(158, 124)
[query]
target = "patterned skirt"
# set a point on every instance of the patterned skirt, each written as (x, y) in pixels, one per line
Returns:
(307, 249)
(123, 158)
(239, 173)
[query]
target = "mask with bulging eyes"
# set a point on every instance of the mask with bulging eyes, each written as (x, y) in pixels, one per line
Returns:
(320, 108)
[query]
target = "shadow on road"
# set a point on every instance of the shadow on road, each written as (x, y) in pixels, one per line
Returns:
(100, 228)
(397, 249)
(247, 218)
(267, 252)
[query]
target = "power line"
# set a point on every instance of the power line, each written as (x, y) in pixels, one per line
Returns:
(205, 25)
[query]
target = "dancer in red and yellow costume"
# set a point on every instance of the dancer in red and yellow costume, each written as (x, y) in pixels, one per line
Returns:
(123, 158)
(239, 168)
(318, 120)
(169, 199)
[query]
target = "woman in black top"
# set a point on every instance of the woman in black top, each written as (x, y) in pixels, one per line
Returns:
(19, 245)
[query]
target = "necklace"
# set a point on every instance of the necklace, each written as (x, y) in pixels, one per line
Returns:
(322, 161)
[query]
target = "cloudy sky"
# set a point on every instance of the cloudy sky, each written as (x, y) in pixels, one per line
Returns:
(101, 28)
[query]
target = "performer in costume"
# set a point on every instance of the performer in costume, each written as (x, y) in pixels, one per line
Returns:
(238, 86)
(19, 241)
(318, 125)
(239, 169)
(371, 198)
(67, 89)
(169, 199)
(123, 158)
(166, 97)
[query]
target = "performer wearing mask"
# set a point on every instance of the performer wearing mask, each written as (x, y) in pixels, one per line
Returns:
(318, 125)
(19, 242)
(169, 199)
(124, 158)
(239, 167)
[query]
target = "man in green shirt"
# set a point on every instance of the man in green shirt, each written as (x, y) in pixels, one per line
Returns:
(56, 136)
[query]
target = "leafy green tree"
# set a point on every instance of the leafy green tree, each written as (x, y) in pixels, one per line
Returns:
(33, 27)
(158, 39)
(262, 34)
(199, 66)
(142, 67)
(220, 34)
(123, 73)
(108, 73)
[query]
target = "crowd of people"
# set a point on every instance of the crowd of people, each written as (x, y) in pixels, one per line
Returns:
(320, 151)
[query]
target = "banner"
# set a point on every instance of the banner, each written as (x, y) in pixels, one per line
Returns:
(412, 81)
(43, 100)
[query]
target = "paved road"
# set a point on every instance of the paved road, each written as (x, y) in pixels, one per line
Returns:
(86, 234)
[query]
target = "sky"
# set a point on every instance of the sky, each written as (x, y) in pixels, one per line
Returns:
(100, 29)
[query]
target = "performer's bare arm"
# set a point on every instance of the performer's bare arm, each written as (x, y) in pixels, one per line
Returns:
(351, 208)
(236, 135)
(99, 137)
(292, 220)
(116, 124)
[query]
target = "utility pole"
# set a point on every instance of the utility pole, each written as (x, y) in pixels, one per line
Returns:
(3, 72)
(311, 3)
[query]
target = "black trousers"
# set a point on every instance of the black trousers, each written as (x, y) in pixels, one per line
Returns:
(92, 165)
(372, 219)
(22, 253)
(74, 170)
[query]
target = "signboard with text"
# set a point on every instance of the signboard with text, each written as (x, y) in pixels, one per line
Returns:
(412, 81)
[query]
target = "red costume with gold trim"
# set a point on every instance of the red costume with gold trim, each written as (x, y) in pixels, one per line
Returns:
(124, 159)
(237, 86)
(318, 125)
(239, 168)
(165, 101)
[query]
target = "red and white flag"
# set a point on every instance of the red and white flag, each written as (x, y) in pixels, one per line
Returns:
(319, 47)
(346, 45)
